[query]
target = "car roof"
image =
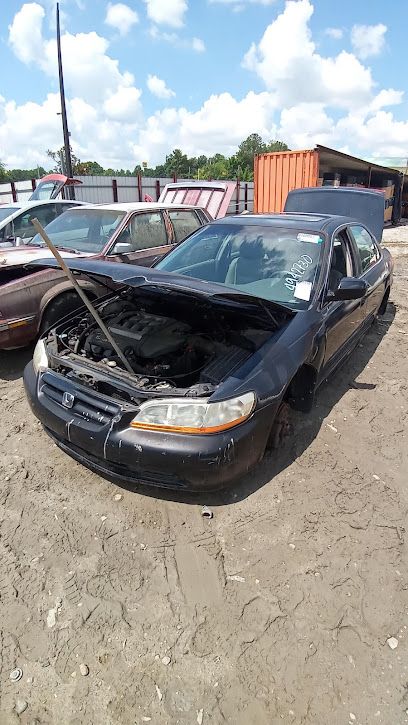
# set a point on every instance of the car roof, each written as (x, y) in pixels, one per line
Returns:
(291, 220)
(31, 204)
(139, 205)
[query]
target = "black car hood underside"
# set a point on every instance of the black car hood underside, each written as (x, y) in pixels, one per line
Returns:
(133, 276)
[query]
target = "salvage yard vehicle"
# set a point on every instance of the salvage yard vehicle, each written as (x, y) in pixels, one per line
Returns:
(16, 228)
(135, 233)
(15, 218)
(239, 322)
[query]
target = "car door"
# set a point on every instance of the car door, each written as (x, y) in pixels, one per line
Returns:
(184, 222)
(371, 269)
(22, 224)
(145, 238)
(343, 320)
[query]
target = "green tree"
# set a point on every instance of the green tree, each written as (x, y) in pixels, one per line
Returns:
(89, 168)
(276, 146)
(25, 174)
(3, 172)
(217, 167)
(242, 163)
(59, 160)
(177, 163)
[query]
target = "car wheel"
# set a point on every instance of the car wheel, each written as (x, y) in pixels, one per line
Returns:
(58, 308)
(383, 306)
(282, 427)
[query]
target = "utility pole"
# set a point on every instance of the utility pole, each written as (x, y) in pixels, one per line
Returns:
(67, 148)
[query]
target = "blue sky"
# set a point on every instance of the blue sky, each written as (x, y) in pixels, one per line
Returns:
(292, 85)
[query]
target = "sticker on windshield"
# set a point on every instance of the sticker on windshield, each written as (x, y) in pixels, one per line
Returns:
(312, 238)
(303, 290)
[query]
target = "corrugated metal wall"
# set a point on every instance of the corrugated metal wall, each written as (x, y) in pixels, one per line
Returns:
(277, 173)
(99, 190)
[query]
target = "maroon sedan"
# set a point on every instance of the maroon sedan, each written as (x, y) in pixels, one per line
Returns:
(136, 233)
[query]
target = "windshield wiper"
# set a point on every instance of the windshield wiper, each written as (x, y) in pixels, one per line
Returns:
(67, 249)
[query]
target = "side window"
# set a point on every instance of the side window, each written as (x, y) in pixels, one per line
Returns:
(144, 231)
(23, 223)
(63, 207)
(108, 224)
(184, 222)
(342, 261)
(367, 249)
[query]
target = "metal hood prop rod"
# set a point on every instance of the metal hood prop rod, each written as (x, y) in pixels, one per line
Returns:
(82, 294)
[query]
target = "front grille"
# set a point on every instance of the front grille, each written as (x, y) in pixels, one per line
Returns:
(86, 405)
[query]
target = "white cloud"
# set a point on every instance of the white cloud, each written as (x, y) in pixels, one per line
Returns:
(198, 45)
(167, 12)
(386, 97)
(380, 135)
(89, 72)
(158, 87)
(124, 104)
(121, 17)
(368, 40)
(307, 98)
(335, 33)
(104, 108)
(242, 3)
(287, 62)
(218, 126)
(178, 41)
(303, 123)
(25, 32)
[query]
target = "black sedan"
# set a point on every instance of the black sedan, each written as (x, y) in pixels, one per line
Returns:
(242, 320)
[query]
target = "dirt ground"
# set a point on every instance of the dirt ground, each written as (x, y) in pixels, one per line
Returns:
(277, 610)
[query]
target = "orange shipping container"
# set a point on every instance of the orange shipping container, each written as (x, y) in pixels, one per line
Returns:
(275, 174)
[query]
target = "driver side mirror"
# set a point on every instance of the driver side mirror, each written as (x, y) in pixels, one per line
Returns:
(349, 288)
(122, 248)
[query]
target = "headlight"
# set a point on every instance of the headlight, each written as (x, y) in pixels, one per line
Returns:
(190, 415)
(40, 359)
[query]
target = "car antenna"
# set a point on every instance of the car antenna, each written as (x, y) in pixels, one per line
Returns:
(41, 231)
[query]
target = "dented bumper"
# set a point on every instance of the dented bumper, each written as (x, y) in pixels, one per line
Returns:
(167, 460)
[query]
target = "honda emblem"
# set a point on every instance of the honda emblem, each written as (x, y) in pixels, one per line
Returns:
(68, 400)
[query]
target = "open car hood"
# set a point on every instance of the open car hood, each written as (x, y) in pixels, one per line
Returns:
(129, 274)
(363, 205)
(50, 186)
(214, 196)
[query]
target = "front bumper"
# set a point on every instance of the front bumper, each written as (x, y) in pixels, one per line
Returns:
(107, 445)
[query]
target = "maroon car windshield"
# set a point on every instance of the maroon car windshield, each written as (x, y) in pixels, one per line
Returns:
(83, 230)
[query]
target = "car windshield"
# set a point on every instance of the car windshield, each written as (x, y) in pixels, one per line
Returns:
(7, 211)
(276, 264)
(84, 230)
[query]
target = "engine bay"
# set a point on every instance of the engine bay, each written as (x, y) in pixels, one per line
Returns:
(190, 348)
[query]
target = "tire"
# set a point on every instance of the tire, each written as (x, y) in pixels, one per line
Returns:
(383, 306)
(57, 309)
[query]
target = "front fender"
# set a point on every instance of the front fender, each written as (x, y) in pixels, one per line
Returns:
(66, 286)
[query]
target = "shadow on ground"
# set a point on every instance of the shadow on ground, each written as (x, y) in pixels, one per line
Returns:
(13, 362)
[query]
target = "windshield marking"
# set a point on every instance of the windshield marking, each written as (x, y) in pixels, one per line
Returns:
(297, 271)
